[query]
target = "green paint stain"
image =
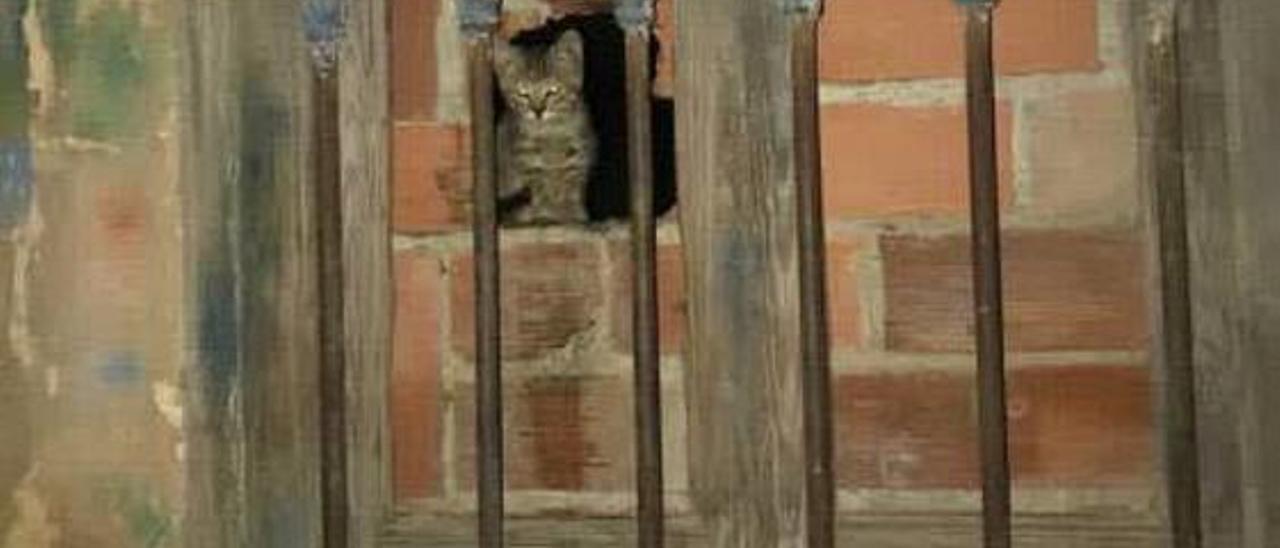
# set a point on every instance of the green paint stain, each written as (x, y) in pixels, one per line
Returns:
(58, 23)
(108, 72)
(14, 101)
(102, 61)
(145, 518)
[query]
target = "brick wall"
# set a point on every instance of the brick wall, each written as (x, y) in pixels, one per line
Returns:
(896, 190)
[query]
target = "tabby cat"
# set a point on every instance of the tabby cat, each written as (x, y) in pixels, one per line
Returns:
(545, 140)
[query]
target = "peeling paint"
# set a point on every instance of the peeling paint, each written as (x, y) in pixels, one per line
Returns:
(34, 527)
(40, 80)
(108, 73)
(25, 238)
(16, 179)
(144, 516)
(58, 23)
(168, 400)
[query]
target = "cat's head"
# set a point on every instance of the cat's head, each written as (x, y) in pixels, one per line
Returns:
(541, 84)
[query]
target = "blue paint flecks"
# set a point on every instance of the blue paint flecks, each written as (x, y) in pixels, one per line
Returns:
(633, 13)
(477, 15)
(121, 369)
(16, 177)
(219, 330)
(322, 22)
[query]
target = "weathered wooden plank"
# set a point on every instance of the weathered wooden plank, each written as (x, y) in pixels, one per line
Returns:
(215, 487)
(366, 235)
(734, 124)
(1252, 32)
(16, 453)
(871, 531)
(1251, 36)
(1230, 132)
(254, 434)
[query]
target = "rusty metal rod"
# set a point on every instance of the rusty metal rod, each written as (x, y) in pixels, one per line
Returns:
(644, 294)
(327, 207)
(1164, 102)
(988, 298)
(816, 374)
(489, 460)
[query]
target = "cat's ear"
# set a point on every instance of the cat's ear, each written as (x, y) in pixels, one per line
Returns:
(566, 57)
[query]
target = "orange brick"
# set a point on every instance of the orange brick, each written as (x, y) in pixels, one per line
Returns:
(1081, 158)
(412, 30)
(415, 377)
(844, 311)
(562, 433)
(671, 297)
(881, 160)
(1063, 291)
(430, 177)
(550, 293)
(912, 430)
(1081, 425)
(867, 40)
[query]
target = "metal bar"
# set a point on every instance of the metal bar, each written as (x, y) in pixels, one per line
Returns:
(1179, 400)
(816, 374)
(988, 299)
(479, 19)
(327, 208)
(487, 330)
(635, 17)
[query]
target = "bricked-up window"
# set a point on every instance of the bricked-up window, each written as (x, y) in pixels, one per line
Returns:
(604, 89)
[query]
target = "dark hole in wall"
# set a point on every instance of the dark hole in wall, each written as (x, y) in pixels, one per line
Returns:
(604, 89)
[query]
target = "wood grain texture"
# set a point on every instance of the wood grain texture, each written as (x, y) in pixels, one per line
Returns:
(878, 531)
(1230, 132)
(1215, 297)
(363, 103)
(246, 159)
(254, 431)
(733, 107)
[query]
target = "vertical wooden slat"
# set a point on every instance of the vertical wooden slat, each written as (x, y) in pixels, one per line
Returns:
(1229, 82)
(363, 105)
(815, 351)
(987, 289)
(636, 17)
(479, 19)
(254, 451)
(734, 145)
